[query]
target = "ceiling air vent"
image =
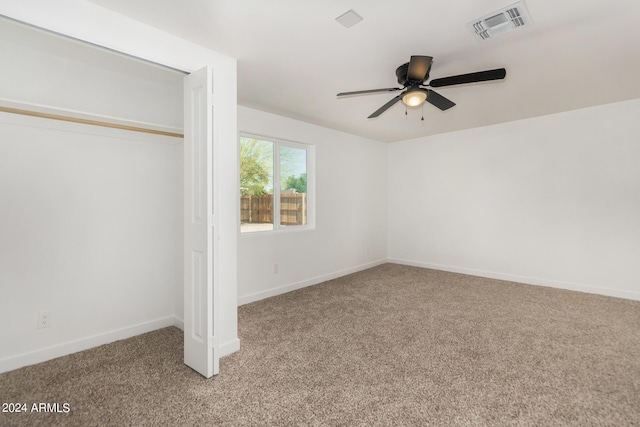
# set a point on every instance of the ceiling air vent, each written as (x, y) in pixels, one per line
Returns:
(349, 18)
(501, 21)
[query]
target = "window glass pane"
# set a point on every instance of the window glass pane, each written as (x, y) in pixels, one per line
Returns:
(256, 185)
(293, 186)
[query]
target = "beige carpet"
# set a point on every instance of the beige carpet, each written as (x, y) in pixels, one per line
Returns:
(393, 345)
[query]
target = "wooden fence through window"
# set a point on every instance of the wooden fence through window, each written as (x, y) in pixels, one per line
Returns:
(259, 209)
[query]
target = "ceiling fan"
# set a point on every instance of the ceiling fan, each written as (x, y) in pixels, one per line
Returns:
(413, 75)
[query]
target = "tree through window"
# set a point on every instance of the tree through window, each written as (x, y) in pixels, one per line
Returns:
(263, 205)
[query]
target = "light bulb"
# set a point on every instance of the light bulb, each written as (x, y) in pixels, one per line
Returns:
(414, 97)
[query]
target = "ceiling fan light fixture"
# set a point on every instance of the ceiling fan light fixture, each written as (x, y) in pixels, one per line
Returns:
(414, 97)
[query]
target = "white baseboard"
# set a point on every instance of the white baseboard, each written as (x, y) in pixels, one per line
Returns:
(70, 347)
(522, 279)
(246, 299)
(178, 323)
(48, 353)
(229, 347)
(225, 349)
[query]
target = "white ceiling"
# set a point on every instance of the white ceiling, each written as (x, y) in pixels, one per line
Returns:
(293, 57)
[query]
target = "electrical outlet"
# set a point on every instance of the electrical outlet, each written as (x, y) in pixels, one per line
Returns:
(275, 268)
(45, 319)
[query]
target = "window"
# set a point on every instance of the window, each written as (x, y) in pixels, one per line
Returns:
(276, 185)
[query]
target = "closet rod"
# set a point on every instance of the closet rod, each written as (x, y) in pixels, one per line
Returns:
(88, 122)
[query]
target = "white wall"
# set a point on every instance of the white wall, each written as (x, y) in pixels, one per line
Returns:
(351, 212)
(88, 231)
(552, 200)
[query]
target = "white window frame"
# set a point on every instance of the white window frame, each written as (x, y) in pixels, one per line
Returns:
(311, 187)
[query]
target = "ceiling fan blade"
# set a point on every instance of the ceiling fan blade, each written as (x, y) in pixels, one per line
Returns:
(419, 68)
(385, 107)
(480, 76)
(362, 92)
(438, 100)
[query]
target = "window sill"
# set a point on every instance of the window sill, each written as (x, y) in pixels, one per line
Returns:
(267, 233)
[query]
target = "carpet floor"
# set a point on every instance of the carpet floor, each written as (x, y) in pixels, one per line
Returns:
(392, 346)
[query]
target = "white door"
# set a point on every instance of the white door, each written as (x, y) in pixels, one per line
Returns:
(200, 339)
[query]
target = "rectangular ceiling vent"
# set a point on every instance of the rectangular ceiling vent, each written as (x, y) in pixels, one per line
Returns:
(349, 18)
(500, 22)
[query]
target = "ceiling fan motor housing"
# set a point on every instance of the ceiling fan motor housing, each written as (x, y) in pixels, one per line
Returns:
(402, 72)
